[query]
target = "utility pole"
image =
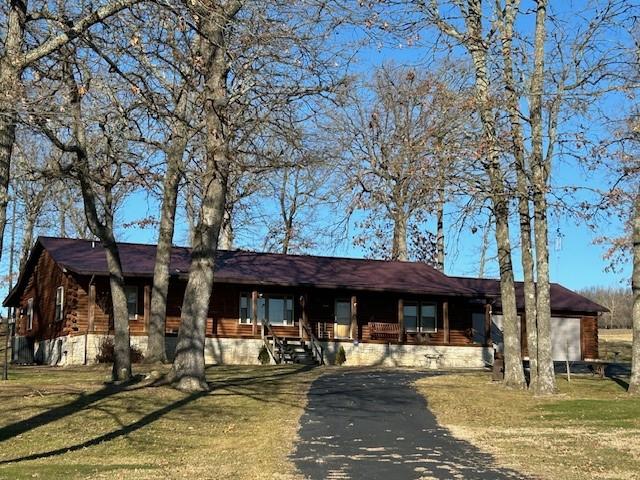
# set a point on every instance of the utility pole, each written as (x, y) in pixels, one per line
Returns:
(10, 326)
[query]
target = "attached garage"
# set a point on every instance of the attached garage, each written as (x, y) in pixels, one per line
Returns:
(565, 339)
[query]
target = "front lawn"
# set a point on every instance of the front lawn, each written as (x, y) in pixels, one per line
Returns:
(591, 430)
(65, 423)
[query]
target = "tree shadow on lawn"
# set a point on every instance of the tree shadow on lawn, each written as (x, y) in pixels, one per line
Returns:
(90, 400)
(83, 401)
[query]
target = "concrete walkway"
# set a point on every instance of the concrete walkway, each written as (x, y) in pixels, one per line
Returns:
(374, 425)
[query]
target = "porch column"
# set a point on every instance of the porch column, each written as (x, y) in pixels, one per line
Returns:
(354, 318)
(445, 321)
(401, 320)
(147, 307)
(91, 314)
(487, 324)
(304, 320)
(254, 312)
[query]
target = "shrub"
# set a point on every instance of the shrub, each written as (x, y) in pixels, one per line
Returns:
(341, 357)
(106, 352)
(263, 357)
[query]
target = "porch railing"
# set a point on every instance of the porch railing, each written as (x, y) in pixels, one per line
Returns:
(274, 345)
(316, 349)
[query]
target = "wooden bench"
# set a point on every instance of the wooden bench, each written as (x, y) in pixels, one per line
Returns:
(383, 330)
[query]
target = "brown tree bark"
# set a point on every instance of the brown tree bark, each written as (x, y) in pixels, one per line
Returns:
(188, 372)
(399, 250)
(227, 234)
(546, 381)
(514, 373)
(634, 381)
(440, 223)
(156, 351)
(102, 228)
(524, 214)
(10, 92)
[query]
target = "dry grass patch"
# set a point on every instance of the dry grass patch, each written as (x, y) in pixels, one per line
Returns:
(615, 340)
(65, 423)
(591, 430)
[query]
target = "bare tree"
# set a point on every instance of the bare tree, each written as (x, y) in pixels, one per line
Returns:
(400, 141)
(472, 35)
(94, 138)
(50, 32)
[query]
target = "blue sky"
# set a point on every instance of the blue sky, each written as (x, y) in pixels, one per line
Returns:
(576, 261)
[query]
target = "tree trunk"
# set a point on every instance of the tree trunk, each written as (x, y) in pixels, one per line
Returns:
(122, 350)
(188, 372)
(511, 9)
(513, 371)
(546, 382)
(27, 237)
(226, 234)
(634, 381)
(10, 73)
(399, 249)
(440, 225)
(104, 231)
(156, 351)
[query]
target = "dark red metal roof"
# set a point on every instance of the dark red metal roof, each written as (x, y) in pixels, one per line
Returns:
(236, 266)
(86, 257)
(562, 299)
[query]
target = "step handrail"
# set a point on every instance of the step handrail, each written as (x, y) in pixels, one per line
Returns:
(316, 348)
(273, 351)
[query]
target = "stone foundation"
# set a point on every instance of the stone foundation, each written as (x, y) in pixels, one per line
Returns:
(82, 349)
(424, 356)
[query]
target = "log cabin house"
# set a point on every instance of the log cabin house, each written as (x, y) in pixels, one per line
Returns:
(301, 307)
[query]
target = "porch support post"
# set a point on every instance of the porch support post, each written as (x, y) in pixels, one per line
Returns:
(303, 314)
(147, 307)
(92, 308)
(254, 312)
(445, 321)
(487, 324)
(354, 318)
(400, 320)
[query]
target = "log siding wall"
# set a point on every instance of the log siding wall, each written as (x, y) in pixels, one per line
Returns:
(82, 315)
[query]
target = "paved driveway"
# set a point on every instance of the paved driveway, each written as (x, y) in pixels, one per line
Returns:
(374, 425)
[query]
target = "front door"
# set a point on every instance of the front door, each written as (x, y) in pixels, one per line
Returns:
(479, 325)
(342, 326)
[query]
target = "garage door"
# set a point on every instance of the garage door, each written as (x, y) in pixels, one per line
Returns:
(565, 338)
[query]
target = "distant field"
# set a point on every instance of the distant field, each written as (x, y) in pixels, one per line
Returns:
(615, 340)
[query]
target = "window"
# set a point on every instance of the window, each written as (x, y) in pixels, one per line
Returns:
(275, 309)
(246, 313)
(420, 317)
(131, 292)
(428, 317)
(59, 304)
(411, 317)
(30, 314)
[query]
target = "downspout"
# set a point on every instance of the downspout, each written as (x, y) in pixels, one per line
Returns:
(86, 333)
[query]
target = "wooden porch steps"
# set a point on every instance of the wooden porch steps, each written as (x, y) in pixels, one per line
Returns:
(296, 351)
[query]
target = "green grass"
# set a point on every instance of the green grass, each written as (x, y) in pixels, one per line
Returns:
(65, 423)
(590, 430)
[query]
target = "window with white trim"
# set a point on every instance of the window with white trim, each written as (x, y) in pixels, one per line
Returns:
(246, 311)
(131, 292)
(59, 304)
(30, 314)
(274, 309)
(420, 317)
